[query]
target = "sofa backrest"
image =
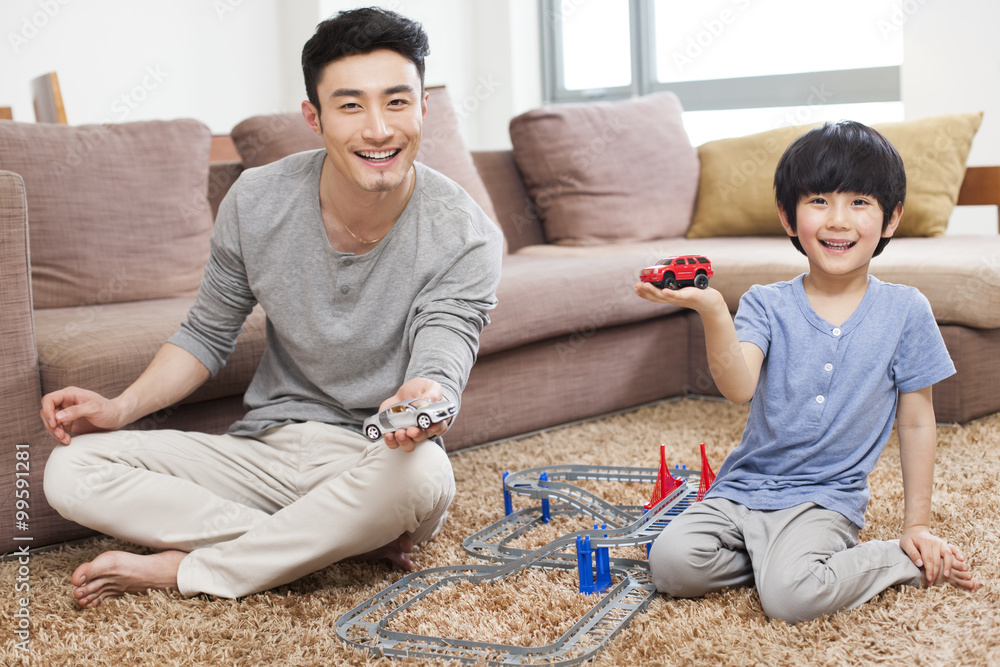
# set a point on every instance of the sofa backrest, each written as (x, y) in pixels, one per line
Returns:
(117, 212)
(518, 216)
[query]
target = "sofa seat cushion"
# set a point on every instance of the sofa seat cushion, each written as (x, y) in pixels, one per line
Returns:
(542, 298)
(105, 348)
(117, 212)
(959, 275)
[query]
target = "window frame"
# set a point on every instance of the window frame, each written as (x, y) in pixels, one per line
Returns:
(860, 85)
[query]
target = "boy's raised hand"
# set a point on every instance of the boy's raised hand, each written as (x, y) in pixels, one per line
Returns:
(686, 297)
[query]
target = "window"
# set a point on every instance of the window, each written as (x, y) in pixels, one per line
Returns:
(738, 66)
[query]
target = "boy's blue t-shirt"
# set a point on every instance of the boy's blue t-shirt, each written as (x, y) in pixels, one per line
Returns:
(826, 399)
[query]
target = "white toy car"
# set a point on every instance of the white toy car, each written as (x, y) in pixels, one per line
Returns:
(414, 412)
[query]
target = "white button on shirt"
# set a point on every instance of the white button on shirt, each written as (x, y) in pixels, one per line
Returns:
(820, 399)
(836, 332)
(828, 367)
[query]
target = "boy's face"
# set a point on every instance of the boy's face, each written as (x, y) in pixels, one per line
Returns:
(839, 231)
(370, 118)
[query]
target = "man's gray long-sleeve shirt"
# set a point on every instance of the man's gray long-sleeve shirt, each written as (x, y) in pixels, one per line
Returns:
(344, 331)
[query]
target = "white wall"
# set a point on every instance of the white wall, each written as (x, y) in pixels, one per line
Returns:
(486, 51)
(121, 60)
(951, 63)
(223, 60)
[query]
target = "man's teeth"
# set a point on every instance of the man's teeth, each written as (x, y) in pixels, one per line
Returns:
(377, 155)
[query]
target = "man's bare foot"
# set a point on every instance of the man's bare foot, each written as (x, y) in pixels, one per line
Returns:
(959, 577)
(396, 552)
(114, 573)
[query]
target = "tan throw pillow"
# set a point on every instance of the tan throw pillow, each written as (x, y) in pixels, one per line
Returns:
(736, 192)
(607, 172)
(934, 152)
(116, 212)
(264, 139)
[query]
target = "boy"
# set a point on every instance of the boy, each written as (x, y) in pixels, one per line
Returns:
(830, 359)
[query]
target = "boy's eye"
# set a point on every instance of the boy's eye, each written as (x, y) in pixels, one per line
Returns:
(860, 202)
(817, 200)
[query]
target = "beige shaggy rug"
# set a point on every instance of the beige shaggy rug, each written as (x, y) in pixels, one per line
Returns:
(294, 625)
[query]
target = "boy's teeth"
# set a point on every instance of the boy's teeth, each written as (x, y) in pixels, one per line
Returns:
(838, 245)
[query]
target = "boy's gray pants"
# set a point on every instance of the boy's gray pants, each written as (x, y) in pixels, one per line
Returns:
(253, 512)
(805, 560)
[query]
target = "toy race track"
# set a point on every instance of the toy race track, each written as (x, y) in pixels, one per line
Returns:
(624, 583)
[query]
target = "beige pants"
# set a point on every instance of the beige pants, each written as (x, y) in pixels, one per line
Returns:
(253, 513)
(804, 560)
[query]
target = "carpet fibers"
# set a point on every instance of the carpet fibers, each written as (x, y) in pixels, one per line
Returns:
(293, 625)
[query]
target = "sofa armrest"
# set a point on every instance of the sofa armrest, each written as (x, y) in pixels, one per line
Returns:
(221, 176)
(981, 187)
(22, 438)
(518, 216)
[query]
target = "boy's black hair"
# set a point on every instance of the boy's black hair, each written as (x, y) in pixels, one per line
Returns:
(841, 157)
(360, 31)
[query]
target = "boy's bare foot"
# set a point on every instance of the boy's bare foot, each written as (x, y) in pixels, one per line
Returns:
(959, 577)
(396, 552)
(114, 573)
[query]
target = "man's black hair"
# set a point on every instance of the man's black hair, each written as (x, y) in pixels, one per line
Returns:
(361, 31)
(841, 157)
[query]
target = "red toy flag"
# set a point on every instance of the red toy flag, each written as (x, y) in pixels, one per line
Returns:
(665, 482)
(707, 476)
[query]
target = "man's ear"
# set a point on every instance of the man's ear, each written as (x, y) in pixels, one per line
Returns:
(423, 105)
(890, 229)
(784, 221)
(311, 114)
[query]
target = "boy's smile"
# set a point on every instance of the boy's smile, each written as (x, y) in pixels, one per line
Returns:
(839, 231)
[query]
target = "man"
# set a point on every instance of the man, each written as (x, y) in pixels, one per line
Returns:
(376, 274)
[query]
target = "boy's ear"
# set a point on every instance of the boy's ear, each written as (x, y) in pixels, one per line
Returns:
(893, 221)
(784, 222)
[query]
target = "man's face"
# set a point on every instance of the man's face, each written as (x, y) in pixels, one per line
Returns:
(371, 116)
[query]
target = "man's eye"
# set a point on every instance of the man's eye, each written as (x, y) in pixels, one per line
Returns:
(397, 103)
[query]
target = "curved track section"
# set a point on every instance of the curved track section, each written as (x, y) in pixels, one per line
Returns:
(367, 625)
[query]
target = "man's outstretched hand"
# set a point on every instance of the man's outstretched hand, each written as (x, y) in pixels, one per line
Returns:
(408, 438)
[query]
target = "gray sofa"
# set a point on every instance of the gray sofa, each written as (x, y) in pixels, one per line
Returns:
(119, 219)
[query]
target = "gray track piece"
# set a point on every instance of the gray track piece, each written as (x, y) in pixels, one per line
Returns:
(366, 625)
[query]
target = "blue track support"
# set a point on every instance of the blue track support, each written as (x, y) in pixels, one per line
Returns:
(584, 565)
(546, 514)
(592, 579)
(649, 545)
(508, 503)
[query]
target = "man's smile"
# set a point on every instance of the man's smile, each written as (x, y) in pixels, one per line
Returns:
(378, 156)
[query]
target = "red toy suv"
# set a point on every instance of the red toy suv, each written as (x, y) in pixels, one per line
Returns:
(676, 272)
